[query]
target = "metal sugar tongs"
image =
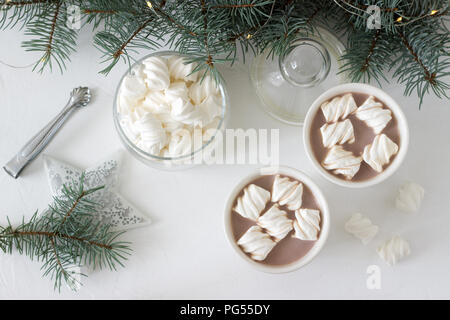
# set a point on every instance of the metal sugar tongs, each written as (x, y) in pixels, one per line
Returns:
(79, 97)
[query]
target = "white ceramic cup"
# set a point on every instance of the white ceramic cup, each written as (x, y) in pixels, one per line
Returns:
(380, 95)
(320, 199)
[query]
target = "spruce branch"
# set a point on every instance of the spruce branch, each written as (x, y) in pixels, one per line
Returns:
(16, 12)
(394, 14)
(424, 61)
(51, 36)
(376, 37)
(286, 21)
(367, 55)
(233, 6)
(97, 12)
(66, 235)
(126, 33)
(209, 61)
(210, 32)
(430, 77)
(171, 20)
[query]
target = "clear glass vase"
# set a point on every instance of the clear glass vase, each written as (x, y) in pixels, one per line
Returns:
(287, 85)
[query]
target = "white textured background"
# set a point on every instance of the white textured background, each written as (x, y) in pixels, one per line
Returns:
(184, 254)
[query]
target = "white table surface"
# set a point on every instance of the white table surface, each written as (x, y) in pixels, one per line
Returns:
(184, 253)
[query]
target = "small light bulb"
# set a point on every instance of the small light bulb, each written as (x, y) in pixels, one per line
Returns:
(149, 4)
(249, 36)
(399, 19)
(433, 12)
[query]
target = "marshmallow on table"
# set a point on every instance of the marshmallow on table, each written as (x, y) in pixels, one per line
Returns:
(393, 250)
(409, 197)
(361, 227)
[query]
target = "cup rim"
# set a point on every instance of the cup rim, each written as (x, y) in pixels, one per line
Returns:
(320, 198)
(386, 99)
(135, 148)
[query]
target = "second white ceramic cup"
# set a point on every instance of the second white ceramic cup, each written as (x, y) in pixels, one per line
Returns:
(380, 95)
(321, 201)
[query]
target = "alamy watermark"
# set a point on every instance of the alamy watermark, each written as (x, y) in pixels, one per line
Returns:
(231, 146)
(374, 19)
(73, 14)
(73, 17)
(373, 281)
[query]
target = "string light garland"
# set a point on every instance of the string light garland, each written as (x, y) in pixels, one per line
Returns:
(18, 67)
(211, 32)
(358, 8)
(411, 19)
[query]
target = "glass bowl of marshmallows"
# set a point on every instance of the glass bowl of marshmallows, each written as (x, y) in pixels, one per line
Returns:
(167, 113)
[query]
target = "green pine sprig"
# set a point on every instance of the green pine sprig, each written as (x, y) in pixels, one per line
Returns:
(367, 56)
(67, 235)
(51, 36)
(13, 13)
(211, 32)
(424, 60)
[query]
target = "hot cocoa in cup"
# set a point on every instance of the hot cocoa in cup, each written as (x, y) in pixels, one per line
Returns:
(357, 137)
(277, 220)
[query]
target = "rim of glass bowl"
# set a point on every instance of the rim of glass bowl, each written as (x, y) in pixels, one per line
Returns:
(117, 115)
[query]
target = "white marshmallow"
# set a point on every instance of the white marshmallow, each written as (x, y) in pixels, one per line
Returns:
(307, 224)
(409, 197)
(393, 250)
(361, 227)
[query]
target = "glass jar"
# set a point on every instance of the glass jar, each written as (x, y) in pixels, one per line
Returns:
(288, 85)
(170, 163)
